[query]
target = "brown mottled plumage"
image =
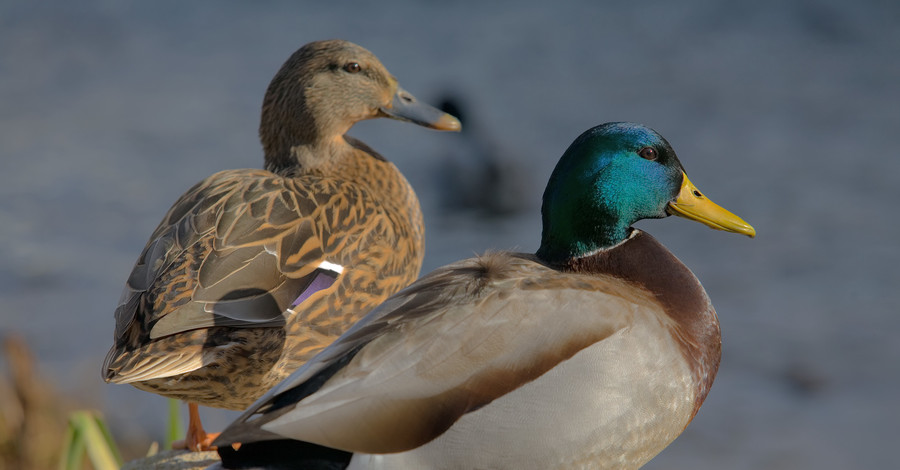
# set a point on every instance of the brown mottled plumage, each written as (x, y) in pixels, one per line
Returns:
(206, 315)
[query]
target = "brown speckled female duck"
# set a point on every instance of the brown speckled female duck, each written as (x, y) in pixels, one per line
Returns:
(253, 271)
(593, 353)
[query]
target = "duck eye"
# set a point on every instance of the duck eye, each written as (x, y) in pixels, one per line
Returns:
(648, 153)
(352, 67)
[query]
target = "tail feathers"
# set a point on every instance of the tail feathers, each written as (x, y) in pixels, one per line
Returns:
(283, 454)
(121, 366)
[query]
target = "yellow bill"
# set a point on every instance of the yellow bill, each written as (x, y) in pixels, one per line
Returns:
(692, 204)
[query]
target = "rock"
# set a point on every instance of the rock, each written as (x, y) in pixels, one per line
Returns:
(174, 460)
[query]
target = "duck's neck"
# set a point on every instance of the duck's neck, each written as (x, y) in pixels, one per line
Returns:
(565, 237)
(296, 134)
(300, 158)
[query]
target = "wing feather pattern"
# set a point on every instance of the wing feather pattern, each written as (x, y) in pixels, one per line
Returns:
(247, 228)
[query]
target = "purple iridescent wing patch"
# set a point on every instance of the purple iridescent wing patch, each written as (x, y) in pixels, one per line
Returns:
(321, 279)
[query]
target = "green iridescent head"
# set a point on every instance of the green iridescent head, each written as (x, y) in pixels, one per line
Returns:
(609, 178)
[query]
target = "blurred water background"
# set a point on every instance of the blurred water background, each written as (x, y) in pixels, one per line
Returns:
(785, 112)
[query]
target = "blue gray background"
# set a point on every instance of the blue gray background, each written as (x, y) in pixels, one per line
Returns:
(785, 112)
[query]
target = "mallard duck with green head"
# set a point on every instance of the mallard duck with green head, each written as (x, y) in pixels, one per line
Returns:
(252, 272)
(594, 352)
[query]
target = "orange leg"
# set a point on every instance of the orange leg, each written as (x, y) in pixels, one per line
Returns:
(197, 439)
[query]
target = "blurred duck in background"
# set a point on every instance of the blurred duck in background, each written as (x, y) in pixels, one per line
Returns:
(478, 173)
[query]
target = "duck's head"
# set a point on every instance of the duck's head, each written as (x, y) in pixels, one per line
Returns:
(327, 86)
(609, 178)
